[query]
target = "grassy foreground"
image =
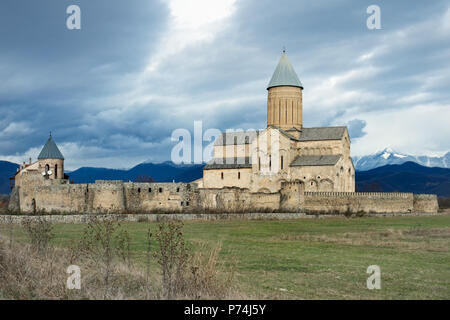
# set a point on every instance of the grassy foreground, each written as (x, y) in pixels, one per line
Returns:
(316, 258)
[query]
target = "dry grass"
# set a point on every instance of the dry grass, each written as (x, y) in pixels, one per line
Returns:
(414, 238)
(29, 272)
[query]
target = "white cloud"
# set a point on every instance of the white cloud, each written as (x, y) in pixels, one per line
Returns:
(421, 129)
(191, 22)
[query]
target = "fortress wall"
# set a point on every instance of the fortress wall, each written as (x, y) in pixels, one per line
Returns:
(106, 197)
(120, 197)
(236, 199)
(103, 197)
(425, 203)
(378, 202)
(64, 198)
(159, 196)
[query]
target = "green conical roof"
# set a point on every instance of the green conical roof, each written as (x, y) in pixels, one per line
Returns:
(50, 150)
(284, 74)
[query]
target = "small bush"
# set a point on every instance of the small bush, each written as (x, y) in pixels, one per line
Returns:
(172, 257)
(103, 242)
(187, 273)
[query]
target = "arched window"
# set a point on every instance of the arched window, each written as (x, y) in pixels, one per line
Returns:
(160, 190)
(221, 175)
(239, 175)
(47, 168)
(56, 171)
(282, 164)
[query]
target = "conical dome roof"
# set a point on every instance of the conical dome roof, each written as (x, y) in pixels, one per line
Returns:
(50, 150)
(284, 74)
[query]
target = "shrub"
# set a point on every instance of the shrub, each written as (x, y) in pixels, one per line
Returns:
(187, 273)
(172, 257)
(103, 242)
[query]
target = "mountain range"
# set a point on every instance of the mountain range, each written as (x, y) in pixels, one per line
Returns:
(389, 156)
(160, 172)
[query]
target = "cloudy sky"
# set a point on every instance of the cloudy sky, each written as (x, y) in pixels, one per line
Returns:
(113, 92)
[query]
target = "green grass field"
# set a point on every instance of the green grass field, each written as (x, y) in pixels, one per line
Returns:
(316, 258)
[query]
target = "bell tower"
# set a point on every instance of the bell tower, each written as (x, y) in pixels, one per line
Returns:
(51, 160)
(284, 100)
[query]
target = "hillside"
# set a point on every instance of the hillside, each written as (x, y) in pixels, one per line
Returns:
(160, 172)
(7, 170)
(406, 177)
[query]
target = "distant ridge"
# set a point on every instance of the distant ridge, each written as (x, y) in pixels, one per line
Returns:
(160, 172)
(406, 177)
(389, 156)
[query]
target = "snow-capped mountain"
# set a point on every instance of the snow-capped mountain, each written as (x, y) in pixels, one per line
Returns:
(389, 156)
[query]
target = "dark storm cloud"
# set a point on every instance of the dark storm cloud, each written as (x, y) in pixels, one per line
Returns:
(356, 128)
(94, 89)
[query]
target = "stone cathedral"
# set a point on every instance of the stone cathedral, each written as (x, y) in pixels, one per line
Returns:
(283, 168)
(285, 151)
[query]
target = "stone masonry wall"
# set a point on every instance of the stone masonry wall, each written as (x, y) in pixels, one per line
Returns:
(122, 197)
(378, 202)
(425, 203)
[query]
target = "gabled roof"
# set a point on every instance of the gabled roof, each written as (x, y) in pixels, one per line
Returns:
(284, 74)
(306, 134)
(326, 160)
(50, 151)
(323, 133)
(229, 163)
(240, 137)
